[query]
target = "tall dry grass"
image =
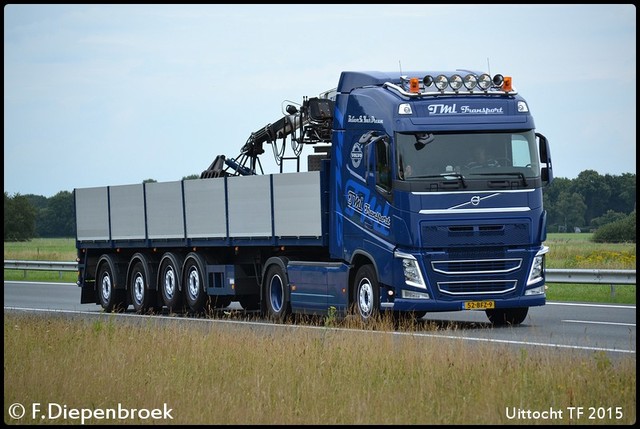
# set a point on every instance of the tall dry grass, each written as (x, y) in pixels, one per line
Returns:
(217, 373)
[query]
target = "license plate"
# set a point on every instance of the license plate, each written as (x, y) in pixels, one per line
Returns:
(479, 305)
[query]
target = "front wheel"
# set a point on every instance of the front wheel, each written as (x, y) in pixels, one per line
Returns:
(507, 316)
(277, 293)
(366, 293)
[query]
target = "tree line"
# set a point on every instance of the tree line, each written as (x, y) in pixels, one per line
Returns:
(603, 204)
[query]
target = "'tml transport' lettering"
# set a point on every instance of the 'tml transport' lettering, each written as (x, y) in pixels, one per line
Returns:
(451, 109)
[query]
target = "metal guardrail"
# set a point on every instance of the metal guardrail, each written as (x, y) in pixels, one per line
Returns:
(608, 277)
(40, 265)
(592, 276)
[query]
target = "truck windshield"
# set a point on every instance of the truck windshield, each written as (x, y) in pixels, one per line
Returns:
(425, 155)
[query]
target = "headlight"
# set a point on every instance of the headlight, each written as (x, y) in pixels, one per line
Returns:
(411, 270)
(537, 267)
(540, 290)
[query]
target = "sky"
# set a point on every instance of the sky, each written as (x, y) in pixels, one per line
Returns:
(98, 95)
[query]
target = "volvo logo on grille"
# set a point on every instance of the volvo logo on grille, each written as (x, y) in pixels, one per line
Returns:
(475, 200)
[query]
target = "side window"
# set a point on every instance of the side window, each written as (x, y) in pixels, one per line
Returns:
(383, 164)
(520, 151)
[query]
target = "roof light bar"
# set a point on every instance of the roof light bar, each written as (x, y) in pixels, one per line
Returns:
(455, 84)
(470, 81)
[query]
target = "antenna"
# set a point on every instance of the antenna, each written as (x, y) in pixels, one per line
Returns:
(400, 65)
(488, 67)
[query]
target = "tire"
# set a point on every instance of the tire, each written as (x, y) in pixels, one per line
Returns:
(143, 298)
(110, 298)
(277, 294)
(169, 284)
(507, 316)
(366, 293)
(194, 279)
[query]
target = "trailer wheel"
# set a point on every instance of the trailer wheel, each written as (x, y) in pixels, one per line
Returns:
(170, 285)
(194, 286)
(111, 299)
(142, 298)
(366, 293)
(277, 293)
(507, 316)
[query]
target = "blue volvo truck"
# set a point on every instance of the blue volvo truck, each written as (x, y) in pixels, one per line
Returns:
(422, 193)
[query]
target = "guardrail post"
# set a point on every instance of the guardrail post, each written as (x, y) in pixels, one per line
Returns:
(613, 291)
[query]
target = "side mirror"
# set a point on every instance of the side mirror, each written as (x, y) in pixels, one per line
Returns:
(546, 172)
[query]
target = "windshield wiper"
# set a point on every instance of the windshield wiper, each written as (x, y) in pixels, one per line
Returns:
(518, 174)
(443, 175)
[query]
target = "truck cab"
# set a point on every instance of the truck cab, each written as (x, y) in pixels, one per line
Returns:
(439, 180)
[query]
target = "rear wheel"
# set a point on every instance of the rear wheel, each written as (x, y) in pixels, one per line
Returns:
(142, 297)
(507, 316)
(169, 279)
(366, 293)
(194, 278)
(111, 299)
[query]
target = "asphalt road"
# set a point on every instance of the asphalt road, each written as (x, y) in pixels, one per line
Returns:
(582, 327)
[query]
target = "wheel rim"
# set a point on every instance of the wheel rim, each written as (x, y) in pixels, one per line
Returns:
(138, 288)
(365, 297)
(169, 282)
(194, 283)
(276, 293)
(106, 288)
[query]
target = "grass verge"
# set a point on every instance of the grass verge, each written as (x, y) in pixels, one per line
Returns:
(221, 374)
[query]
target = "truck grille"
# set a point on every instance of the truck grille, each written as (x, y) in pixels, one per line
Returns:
(465, 235)
(477, 287)
(473, 275)
(483, 266)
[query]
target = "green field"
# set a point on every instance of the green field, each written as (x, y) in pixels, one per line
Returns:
(566, 251)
